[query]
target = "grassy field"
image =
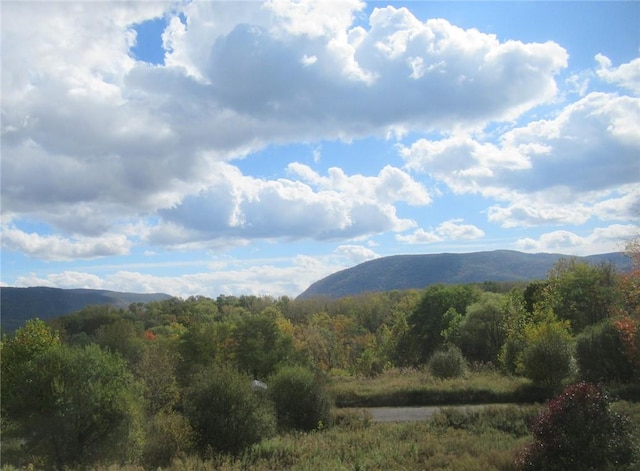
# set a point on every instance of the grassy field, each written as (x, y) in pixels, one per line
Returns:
(416, 387)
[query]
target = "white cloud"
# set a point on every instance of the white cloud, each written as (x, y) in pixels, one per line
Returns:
(389, 186)
(626, 75)
(419, 236)
(54, 247)
(356, 253)
(447, 230)
(600, 240)
(243, 207)
(548, 171)
(239, 277)
(88, 130)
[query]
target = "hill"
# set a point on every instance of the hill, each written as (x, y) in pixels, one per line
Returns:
(20, 304)
(400, 272)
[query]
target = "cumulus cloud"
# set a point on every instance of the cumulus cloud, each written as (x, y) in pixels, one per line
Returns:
(454, 229)
(54, 247)
(318, 207)
(600, 240)
(548, 171)
(88, 130)
(356, 253)
(626, 75)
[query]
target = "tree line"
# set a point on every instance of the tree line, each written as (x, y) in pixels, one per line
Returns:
(156, 380)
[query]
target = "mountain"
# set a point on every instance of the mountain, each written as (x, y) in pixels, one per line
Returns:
(20, 304)
(419, 271)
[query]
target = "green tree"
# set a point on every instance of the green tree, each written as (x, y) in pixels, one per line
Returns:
(203, 344)
(481, 333)
(77, 407)
(260, 345)
(156, 369)
(546, 357)
(581, 293)
(452, 319)
(516, 318)
(601, 354)
(427, 320)
(16, 353)
(120, 336)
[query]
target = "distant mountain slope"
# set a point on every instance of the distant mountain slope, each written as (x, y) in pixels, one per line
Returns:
(419, 271)
(20, 304)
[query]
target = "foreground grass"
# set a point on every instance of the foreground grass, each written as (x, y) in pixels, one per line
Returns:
(416, 387)
(483, 439)
(480, 441)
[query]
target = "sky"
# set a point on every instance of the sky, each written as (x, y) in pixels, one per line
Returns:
(245, 147)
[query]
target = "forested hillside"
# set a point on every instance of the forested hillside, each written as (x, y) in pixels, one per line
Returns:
(156, 382)
(20, 304)
(419, 271)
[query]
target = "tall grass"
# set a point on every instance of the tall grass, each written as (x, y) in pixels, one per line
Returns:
(417, 387)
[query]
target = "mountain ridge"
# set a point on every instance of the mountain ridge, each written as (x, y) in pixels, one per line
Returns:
(421, 270)
(20, 304)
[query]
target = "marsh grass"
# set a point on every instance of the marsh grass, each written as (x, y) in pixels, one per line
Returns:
(417, 387)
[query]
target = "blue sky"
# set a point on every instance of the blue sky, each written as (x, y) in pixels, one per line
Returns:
(206, 148)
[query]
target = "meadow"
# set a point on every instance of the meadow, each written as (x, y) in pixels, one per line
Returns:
(416, 387)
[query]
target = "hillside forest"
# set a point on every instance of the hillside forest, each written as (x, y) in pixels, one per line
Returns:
(205, 377)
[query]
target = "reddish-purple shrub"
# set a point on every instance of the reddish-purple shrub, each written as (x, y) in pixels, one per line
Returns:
(578, 430)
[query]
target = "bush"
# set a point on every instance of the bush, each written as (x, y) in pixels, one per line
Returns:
(169, 435)
(600, 352)
(578, 430)
(449, 363)
(546, 359)
(300, 399)
(225, 413)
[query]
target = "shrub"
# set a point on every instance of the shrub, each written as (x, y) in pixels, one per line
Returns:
(300, 398)
(225, 413)
(600, 352)
(578, 430)
(169, 435)
(546, 359)
(449, 363)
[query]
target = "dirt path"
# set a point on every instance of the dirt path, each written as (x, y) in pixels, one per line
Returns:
(410, 414)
